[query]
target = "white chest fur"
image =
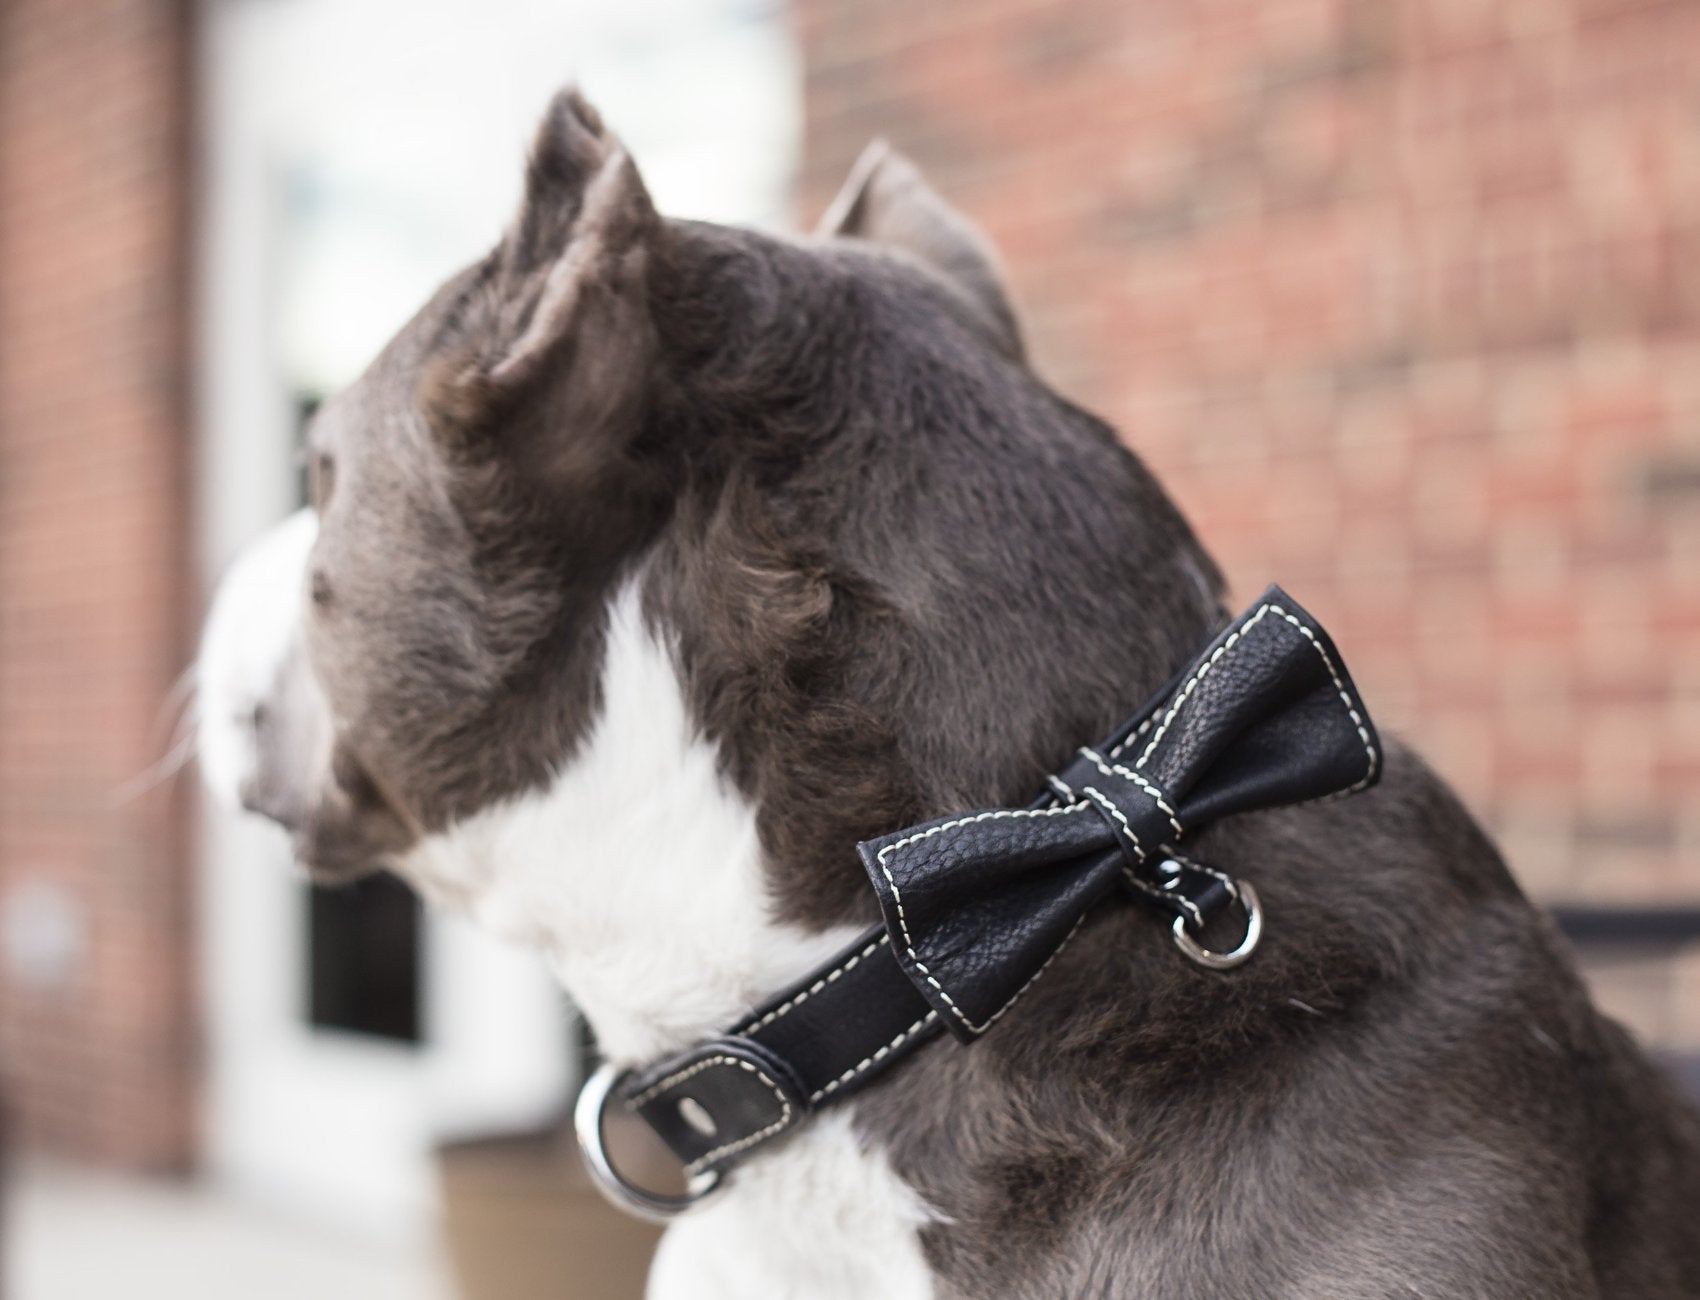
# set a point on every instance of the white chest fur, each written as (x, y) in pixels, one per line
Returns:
(638, 873)
(819, 1219)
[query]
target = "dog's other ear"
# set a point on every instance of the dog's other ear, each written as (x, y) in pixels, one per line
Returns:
(886, 200)
(563, 299)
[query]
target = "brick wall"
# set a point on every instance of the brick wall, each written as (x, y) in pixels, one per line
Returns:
(96, 1048)
(1402, 300)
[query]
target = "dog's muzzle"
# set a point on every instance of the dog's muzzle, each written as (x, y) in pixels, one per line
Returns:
(265, 731)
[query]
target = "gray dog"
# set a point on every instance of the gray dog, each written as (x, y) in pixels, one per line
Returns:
(655, 564)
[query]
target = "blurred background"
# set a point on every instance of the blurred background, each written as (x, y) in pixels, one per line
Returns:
(1401, 298)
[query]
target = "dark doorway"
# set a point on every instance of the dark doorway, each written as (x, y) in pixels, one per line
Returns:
(363, 965)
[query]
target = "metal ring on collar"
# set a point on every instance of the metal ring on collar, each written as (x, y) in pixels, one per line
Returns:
(627, 1196)
(1247, 897)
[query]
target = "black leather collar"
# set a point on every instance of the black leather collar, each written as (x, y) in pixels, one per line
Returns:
(976, 905)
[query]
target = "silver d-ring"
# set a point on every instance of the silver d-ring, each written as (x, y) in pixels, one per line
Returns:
(1247, 897)
(587, 1124)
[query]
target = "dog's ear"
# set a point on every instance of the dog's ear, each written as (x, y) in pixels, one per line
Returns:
(886, 200)
(562, 301)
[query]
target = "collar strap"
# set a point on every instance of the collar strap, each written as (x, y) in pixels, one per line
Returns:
(975, 906)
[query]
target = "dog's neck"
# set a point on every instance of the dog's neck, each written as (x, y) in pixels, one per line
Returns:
(637, 871)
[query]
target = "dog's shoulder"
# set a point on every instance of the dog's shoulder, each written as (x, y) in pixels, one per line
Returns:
(1408, 1082)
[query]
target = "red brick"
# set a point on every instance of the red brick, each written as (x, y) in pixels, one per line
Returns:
(94, 129)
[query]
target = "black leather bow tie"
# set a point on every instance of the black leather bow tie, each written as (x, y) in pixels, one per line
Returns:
(976, 905)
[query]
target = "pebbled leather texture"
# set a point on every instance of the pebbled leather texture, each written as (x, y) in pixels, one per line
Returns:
(976, 904)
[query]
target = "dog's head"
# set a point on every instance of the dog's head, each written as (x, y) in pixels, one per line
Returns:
(872, 540)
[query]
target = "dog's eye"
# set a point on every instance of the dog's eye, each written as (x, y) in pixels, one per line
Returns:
(321, 479)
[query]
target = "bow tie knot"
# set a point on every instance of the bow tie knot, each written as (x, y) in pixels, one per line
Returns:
(1145, 827)
(977, 905)
(1135, 809)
